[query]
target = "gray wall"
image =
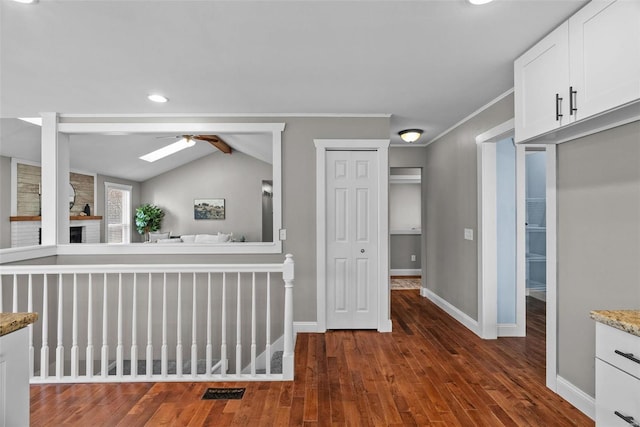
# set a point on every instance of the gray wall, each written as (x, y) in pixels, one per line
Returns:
(100, 199)
(237, 178)
(506, 229)
(404, 206)
(402, 247)
(598, 241)
(5, 202)
(451, 184)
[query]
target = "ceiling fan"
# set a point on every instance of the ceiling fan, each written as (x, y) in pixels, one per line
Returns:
(186, 141)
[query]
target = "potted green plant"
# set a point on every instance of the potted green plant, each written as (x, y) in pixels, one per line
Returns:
(148, 218)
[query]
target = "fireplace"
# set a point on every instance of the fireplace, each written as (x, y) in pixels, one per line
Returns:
(75, 234)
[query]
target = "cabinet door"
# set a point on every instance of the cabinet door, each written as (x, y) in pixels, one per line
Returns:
(604, 47)
(617, 396)
(541, 74)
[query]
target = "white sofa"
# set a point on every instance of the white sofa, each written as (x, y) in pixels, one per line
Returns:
(193, 238)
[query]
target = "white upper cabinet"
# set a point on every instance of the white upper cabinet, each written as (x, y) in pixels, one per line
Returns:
(587, 66)
(541, 80)
(604, 56)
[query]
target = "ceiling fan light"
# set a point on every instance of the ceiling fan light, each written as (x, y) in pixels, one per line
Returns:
(188, 141)
(410, 135)
(158, 98)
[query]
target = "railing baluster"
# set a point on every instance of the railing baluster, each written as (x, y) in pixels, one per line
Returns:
(149, 370)
(179, 329)
(194, 335)
(89, 357)
(238, 330)
(164, 352)
(104, 357)
(60, 347)
(119, 346)
(15, 293)
(30, 310)
(44, 350)
(253, 324)
(134, 329)
(267, 349)
(223, 332)
(209, 348)
(75, 359)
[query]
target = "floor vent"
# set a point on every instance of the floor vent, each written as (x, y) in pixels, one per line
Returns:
(223, 393)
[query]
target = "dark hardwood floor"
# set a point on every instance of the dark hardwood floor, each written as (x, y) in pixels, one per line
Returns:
(429, 371)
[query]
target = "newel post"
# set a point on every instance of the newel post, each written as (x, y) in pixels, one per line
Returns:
(287, 356)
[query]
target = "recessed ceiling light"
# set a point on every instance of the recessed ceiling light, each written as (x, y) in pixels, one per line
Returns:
(170, 149)
(157, 98)
(479, 2)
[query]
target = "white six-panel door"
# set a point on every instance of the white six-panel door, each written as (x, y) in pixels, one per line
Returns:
(351, 240)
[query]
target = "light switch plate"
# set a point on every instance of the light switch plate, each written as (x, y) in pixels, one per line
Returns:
(468, 234)
(283, 234)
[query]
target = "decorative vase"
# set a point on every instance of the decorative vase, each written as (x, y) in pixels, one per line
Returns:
(87, 209)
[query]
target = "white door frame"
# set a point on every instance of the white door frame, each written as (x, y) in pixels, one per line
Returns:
(382, 148)
(488, 327)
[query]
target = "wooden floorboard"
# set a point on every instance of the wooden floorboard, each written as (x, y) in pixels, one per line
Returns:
(430, 371)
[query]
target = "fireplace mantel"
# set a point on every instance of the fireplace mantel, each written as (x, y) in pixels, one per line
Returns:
(39, 218)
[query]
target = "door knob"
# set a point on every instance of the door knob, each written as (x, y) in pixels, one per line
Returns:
(361, 251)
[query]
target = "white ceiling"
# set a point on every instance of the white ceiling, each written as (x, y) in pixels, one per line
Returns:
(428, 63)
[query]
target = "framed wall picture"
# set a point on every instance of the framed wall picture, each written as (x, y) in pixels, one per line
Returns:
(208, 209)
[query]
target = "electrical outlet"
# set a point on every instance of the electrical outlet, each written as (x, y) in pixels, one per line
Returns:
(468, 234)
(413, 258)
(283, 234)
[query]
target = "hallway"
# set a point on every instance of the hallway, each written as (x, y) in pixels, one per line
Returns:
(429, 371)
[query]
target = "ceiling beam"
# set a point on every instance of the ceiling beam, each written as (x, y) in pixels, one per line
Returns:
(216, 141)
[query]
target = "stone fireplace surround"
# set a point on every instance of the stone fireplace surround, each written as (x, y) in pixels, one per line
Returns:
(25, 230)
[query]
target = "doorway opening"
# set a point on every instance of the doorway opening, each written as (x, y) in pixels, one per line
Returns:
(405, 227)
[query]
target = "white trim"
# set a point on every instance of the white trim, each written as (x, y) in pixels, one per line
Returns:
(102, 128)
(407, 231)
(521, 217)
(472, 115)
(384, 301)
(452, 311)
(405, 179)
(405, 272)
(552, 268)
(498, 133)
(225, 115)
(487, 241)
(578, 398)
(170, 249)
(509, 330)
(305, 327)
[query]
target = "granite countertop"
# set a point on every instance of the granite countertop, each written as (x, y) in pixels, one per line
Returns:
(625, 320)
(11, 322)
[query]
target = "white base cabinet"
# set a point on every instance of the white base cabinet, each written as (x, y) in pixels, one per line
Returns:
(617, 377)
(14, 379)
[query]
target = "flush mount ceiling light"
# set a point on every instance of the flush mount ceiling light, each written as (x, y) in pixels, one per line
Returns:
(410, 135)
(26, 1)
(157, 98)
(479, 2)
(170, 149)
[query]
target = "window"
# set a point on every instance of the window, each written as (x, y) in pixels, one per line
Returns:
(117, 213)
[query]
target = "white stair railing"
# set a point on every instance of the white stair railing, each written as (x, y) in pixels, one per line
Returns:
(119, 306)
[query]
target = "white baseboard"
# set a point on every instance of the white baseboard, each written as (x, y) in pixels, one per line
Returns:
(405, 272)
(452, 311)
(302, 327)
(578, 398)
(386, 326)
(510, 330)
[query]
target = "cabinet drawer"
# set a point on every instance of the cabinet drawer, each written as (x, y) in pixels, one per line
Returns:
(609, 340)
(617, 396)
